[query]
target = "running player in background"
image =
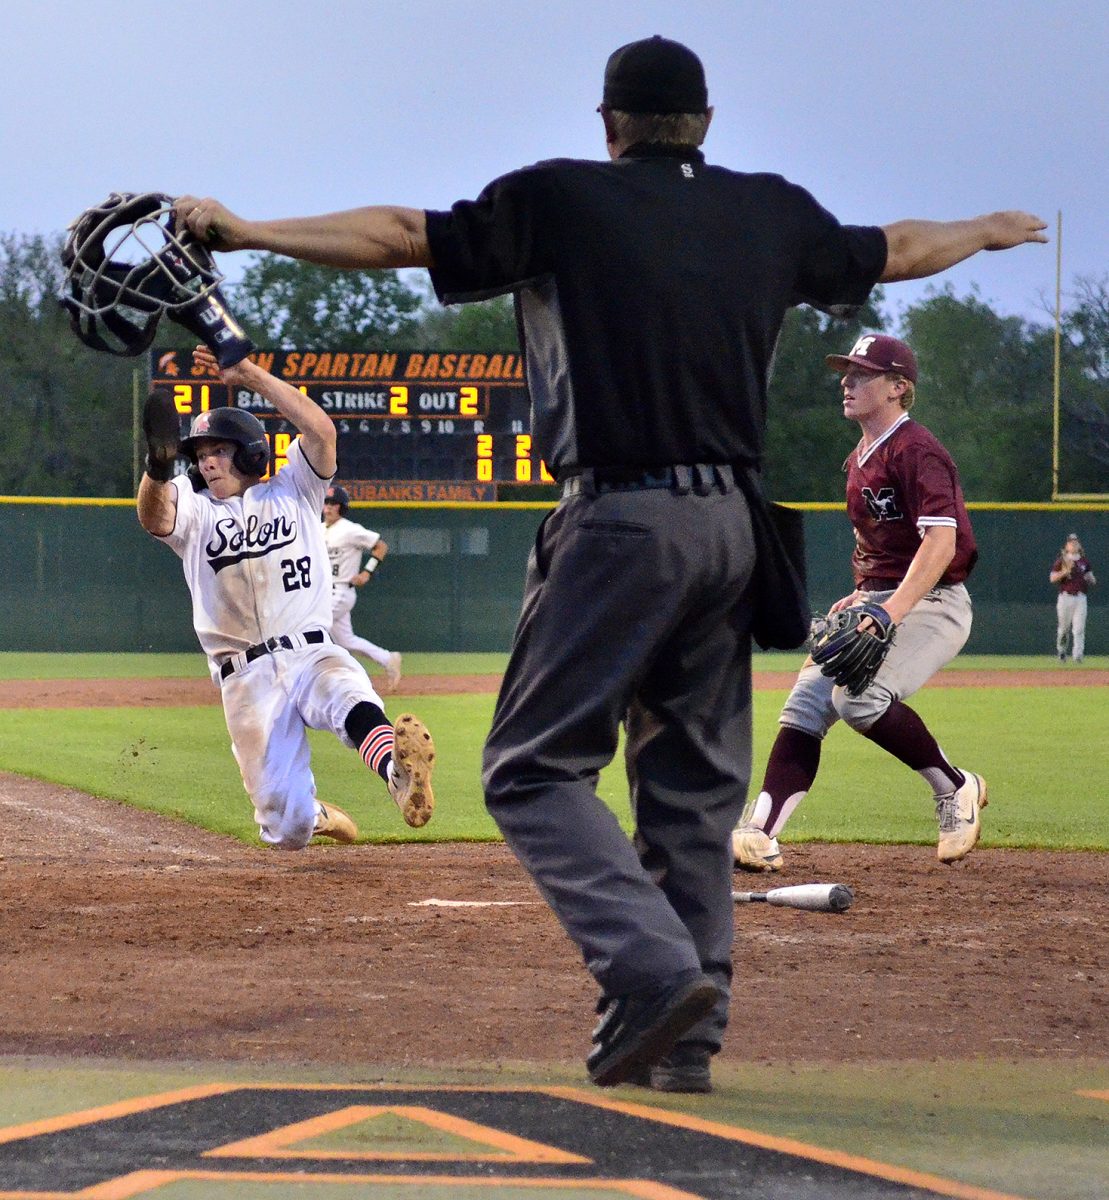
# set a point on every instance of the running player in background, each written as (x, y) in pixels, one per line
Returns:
(346, 542)
(256, 565)
(914, 548)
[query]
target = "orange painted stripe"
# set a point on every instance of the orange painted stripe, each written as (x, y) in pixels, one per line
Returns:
(510, 1147)
(141, 1183)
(37, 1195)
(108, 1112)
(785, 1145)
(1098, 1094)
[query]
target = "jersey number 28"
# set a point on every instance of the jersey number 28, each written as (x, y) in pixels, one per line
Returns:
(297, 573)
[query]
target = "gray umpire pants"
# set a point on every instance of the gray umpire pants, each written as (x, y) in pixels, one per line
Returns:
(635, 604)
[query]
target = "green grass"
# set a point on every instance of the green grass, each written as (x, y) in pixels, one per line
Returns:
(178, 761)
(1014, 737)
(16, 665)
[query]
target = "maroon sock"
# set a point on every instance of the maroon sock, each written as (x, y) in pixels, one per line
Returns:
(901, 732)
(792, 767)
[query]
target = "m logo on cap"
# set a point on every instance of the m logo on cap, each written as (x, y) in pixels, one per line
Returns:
(860, 348)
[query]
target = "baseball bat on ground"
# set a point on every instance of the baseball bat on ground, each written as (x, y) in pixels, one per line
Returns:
(816, 897)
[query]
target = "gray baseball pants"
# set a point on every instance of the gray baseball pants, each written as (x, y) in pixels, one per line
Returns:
(1070, 611)
(634, 600)
(929, 638)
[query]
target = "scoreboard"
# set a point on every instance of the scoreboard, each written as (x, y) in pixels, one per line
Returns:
(412, 425)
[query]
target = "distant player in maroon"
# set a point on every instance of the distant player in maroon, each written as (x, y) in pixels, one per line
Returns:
(1073, 576)
(914, 548)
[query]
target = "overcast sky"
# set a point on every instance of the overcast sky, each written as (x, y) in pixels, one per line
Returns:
(884, 110)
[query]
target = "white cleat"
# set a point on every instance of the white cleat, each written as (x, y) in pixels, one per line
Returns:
(392, 671)
(753, 850)
(960, 818)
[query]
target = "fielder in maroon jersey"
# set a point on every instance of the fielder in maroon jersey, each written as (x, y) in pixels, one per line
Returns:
(914, 549)
(1073, 576)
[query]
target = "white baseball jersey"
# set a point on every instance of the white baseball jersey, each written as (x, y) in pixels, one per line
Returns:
(256, 564)
(346, 542)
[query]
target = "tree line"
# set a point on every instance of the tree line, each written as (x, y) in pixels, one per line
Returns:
(985, 389)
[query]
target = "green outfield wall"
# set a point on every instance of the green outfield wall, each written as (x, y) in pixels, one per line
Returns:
(82, 576)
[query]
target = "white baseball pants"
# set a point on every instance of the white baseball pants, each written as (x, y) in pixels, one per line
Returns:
(269, 708)
(343, 600)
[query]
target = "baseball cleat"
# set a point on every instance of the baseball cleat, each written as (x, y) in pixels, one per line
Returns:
(332, 822)
(754, 851)
(687, 1068)
(960, 820)
(392, 671)
(638, 1029)
(410, 781)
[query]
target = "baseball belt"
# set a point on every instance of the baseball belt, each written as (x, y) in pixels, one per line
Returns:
(700, 478)
(284, 641)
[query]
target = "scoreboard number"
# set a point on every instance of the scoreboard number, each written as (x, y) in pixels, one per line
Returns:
(411, 425)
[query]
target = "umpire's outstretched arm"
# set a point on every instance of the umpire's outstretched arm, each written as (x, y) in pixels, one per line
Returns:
(373, 237)
(917, 249)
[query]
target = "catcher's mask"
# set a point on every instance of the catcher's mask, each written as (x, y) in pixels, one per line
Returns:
(252, 454)
(340, 496)
(126, 264)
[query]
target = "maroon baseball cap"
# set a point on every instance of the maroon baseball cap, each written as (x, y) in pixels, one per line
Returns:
(655, 75)
(877, 352)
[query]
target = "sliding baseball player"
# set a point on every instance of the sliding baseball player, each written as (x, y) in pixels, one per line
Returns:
(256, 564)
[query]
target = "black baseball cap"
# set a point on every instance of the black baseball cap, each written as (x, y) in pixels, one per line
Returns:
(655, 75)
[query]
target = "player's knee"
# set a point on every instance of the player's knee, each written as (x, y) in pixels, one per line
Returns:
(287, 827)
(860, 712)
(809, 706)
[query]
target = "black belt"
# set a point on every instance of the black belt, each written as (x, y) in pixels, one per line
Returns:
(269, 646)
(874, 584)
(701, 478)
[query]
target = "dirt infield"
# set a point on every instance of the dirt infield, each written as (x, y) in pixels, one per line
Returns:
(163, 693)
(131, 935)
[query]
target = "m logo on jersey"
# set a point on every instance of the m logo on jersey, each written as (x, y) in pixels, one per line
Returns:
(882, 504)
(230, 544)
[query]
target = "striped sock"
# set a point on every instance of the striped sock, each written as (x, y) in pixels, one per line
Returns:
(377, 750)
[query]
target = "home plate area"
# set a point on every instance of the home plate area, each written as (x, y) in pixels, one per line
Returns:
(453, 1142)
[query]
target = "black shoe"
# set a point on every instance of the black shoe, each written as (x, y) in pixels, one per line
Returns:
(685, 1069)
(640, 1028)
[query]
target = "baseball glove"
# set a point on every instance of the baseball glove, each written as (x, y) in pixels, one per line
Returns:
(161, 423)
(850, 655)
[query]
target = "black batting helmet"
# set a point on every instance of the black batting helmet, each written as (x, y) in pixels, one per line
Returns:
(231, 425)
(340, 496)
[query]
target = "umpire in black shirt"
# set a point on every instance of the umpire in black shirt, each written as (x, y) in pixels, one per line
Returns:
(650, 291)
